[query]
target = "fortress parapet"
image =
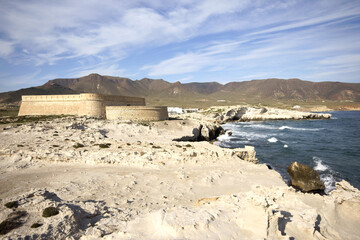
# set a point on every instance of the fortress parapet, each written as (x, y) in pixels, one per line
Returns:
(84, 104)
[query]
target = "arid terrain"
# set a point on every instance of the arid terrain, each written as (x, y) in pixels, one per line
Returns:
(123, 180)
(281, 93)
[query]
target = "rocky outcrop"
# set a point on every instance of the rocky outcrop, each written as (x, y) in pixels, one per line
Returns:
(305, 178)
(210, 131)
(253, 113)
(247, 113)
(247, 154)
(201, 131)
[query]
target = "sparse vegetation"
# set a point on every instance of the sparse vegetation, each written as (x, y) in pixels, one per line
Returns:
(12, 204)
(36, 225)
(78, 145)
(156, 146)
(188, 145)
(179, 146)
(9, 112)
(26, 119)
(50, 211)
(13, 221)
(6, 226)
(104, 145)
(146, 124)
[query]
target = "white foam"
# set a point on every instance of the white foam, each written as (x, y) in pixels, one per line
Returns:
(249, 135)
(299, 129)
(224, 138)
(326, 176)
(319, 166)
(286, 146)
(272, 140)
(328, 181)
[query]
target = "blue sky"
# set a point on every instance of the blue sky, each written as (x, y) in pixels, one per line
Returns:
(186, 41)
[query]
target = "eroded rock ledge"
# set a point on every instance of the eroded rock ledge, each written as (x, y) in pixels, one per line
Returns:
(247, 113)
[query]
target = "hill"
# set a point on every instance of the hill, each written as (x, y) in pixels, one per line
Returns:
(160, 92)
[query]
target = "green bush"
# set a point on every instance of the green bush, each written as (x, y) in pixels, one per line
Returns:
(7, 225)
(13, 221)
(104, 145)
(50, 211)
(36, 225)
(13, 204)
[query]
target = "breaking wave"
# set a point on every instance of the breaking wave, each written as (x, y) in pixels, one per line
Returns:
(319, 166)
(326, 174)
(272, 140)
(300, 129)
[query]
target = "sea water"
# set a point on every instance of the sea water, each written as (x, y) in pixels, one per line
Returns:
(332, 147)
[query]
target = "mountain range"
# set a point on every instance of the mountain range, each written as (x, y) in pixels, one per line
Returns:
(161, 92)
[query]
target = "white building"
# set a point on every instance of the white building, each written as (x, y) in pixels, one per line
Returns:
(174, 110)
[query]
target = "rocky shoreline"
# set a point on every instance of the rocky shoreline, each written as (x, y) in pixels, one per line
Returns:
(246, 113)
(157, 180)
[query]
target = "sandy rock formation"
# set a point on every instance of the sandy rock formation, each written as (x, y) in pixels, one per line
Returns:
(132, 181)
(247, 154)
(247, 113)
(305, 178)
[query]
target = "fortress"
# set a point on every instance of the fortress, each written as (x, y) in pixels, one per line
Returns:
(92, 105)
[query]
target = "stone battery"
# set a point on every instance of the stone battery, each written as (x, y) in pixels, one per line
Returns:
(84, 104)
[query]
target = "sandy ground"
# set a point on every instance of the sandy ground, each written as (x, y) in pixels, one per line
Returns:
(147, 186)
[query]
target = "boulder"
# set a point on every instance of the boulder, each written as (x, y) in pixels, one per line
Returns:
(305, 178)
(196, 131)
(234, 114)
(209, 132)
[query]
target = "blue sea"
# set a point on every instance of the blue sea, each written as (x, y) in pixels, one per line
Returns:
(332, 147)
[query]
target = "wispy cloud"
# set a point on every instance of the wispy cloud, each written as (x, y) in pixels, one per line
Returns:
(52, 31)
(273, 51)
(182, 37)
(6, 48)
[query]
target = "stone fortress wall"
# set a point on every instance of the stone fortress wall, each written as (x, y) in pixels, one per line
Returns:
(92, 105)
(83, 104)
(137, 113)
